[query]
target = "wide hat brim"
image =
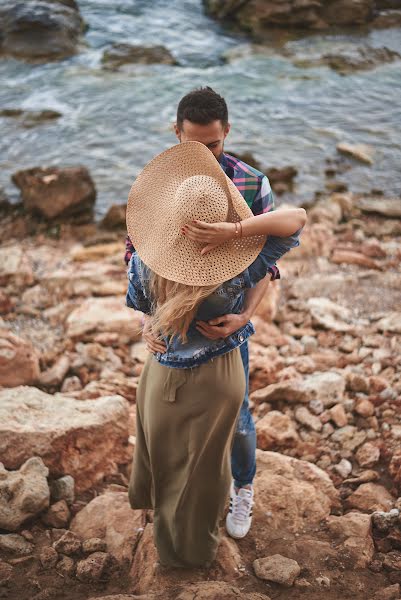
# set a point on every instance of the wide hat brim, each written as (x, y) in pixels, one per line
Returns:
(154, 224)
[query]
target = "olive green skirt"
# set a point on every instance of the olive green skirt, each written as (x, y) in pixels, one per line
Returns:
(182, 461)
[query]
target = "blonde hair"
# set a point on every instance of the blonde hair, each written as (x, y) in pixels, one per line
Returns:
(174, 305)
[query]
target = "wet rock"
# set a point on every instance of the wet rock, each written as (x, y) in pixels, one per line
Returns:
(275, 429)
(356, 59)
(85, 439)
(277, 568)
(353, 531)
(94, 567)
(48, 557)
(326, 387)
(15, 267)
(386, 207)
(30, 118)
(23, 493)
(63, 489)
(69, 544)
(359, 152)
(110, 518)
(370, 497)
(19, 361)
(43, 31)
(367, 455)
(58, 515)
(14, 544)
(295, 493)
(56, 192)
(122, 54)
(97, 315)
(115, 217)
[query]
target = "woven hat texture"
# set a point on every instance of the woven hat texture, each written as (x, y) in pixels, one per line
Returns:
(179, 185)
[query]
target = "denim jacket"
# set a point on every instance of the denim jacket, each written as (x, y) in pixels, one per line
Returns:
(227, 298)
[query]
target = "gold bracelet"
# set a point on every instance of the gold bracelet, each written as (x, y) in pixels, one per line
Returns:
(240, 224)
(236, 228)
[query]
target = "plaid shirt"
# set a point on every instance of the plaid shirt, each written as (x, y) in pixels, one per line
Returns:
(254, 187)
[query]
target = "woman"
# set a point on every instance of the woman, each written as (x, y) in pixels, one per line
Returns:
(189, 397)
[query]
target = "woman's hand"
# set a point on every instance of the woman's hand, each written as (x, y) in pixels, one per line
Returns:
(210, 234)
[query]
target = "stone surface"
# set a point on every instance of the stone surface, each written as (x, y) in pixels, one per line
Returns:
(94, 567)
(304, 417)
(63, 489)
(277, 568)
(86, 440)
(55, 375)
(391, 322)
(122, 54)
(19, 361)
(370, 497)
(360, 152)
(110, 518)
(16, 545)
(97, 315)
(69, 544)
(275, 429)
(294, 492)
(115, 216)
(329, 315)
(94, 545)
(56, 192)
(368, 455)
(58, 515)
(353, 531)
(15, 267)
(43, 31)
(23, 494)
(386, 207)
(48, 557)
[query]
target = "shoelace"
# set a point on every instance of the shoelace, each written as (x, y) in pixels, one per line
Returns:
(242, 504)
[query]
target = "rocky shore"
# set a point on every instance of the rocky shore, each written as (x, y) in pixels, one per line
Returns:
(325, 394)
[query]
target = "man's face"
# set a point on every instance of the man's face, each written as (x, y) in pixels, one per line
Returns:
(212, 135)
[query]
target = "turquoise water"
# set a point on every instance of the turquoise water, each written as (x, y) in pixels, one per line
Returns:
(114, 122)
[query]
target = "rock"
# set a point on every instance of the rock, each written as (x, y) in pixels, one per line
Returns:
(23, 493)
(329, 315)
(84, 439)
(66, 566)
(391, 322)
(295, 493)
(385, 521)
(48, 557)
(122, 54)
(91, 279)
(304, 417)
(6, 573)
(277, 568)
(15, 267)
(326, 387)
(351, 60)
(12, 543)
(56, 192)
(115, 217)
(353, 531)
(43, 31)
(30, 118)
(110, 518)
(368, 455)
(392, 561)
(349, 437)
(96, 252)
(275, 429)
(370, 497)
(343, 468)
(68, 544)
(391, 592)
(58, 515)
(360, 152)
(267, 308)
(257, 17)
(338, 415)
(214, 590)
(71, 384)
(96, 315)
(55, 375)
(94, 545)
(94, 567)
(144, 565)
(19, 361)
(357, 383)
(364, 407)
(349, 257)
(63, 489)
(395, 468)
(386, 207)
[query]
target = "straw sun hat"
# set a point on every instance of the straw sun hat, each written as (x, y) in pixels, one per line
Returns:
(179, 185)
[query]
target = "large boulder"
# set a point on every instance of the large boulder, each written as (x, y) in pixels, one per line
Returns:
(19, 361)
(56, 192)
(23, 493)
(255, 16)
(86, 440)
(110, 518)
(294, 493)
(39, 30)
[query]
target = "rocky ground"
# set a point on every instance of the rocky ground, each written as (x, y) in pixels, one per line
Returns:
(326, 397)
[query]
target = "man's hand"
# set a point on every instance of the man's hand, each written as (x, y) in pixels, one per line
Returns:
(222, 327)
(152, 344)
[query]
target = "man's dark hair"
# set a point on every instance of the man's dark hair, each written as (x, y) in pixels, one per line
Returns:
(202, 106)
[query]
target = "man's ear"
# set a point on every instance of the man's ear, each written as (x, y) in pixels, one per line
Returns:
(177, 131)
(227, 130)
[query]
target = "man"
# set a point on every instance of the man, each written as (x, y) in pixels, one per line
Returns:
(202, 116)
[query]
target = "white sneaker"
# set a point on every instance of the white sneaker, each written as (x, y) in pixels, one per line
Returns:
(239, 517)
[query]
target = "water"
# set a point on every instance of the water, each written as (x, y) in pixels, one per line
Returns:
(114, 122)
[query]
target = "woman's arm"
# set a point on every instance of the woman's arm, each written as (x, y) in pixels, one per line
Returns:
(279, 223)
